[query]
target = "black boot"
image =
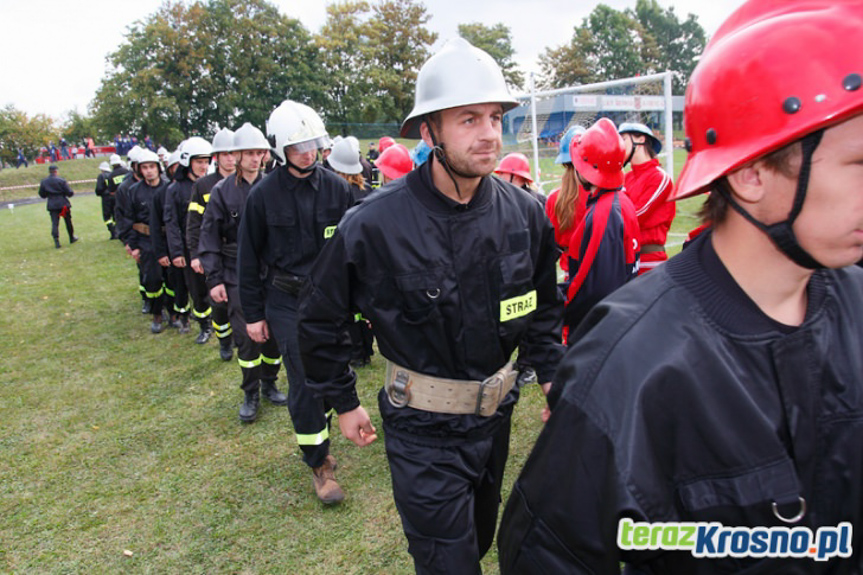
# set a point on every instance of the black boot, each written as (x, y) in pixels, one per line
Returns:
(146, 307)
(226, 349)
(272, 393)
(206, 332)
(184, 325)
(57, 243)
(249, 409)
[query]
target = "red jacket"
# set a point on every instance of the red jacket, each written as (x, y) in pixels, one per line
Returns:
(562, 237)
(649, 188)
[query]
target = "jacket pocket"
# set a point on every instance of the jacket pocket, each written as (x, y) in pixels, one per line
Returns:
(772, 482)
(282, 229)
(420, 294)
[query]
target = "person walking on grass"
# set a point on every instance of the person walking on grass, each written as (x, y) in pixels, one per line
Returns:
(290, 215)
(217, 248)
(58, 192)
(455, 269)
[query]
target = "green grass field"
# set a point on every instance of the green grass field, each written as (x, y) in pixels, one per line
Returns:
(121, 451)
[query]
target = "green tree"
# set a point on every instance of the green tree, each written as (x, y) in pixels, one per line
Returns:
(612, 44)
(679, 45)
(344, 54)
(77, 127)
(189, 69)
(497, 41)
(616, 42)
(18, 130)
(399, 44)
(567, 65)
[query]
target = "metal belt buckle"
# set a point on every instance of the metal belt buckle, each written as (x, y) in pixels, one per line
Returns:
(496, 378)
(399, 391)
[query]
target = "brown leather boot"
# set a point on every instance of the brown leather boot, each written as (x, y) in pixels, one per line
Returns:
(324, 482)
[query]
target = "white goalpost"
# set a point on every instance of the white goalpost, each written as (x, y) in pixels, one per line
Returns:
(536, 126)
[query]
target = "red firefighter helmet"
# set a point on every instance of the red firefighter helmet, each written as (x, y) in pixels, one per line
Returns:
(384, 143)
(774, 72)
(515, 163)
(395, 162)
(599, 155)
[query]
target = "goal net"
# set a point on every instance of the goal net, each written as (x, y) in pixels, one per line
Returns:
(536, 126)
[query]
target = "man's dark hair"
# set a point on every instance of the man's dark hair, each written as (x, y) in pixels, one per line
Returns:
(785, 161)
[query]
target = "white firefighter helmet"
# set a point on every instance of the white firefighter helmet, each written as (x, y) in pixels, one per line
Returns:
(132, 155)
(223, 141)
(174, 158)
(104, 167)
(115, 160)
(194, 147)
(248, 137)
(163, 153)
(459, 74)
(295, 124)
(149, 156)
(345, 157)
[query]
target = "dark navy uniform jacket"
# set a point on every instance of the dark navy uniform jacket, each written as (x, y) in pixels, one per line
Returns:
(286, 223)
(451, 290)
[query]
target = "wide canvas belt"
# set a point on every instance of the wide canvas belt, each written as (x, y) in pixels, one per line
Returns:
(405, 387)
(141, 229)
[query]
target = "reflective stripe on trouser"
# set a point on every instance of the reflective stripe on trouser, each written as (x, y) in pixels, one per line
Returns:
(221, 320)
(181, 292)
(151, 275)
(198, 292)
(448, 498)
(258, 362)
(168, 296)
(108, 204)
(308, 413)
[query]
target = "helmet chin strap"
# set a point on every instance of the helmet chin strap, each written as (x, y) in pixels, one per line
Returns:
(438, 152)
(632, 151)
(306, 170)
(782, 233)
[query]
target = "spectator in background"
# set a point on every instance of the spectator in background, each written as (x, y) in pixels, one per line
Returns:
(22, 159)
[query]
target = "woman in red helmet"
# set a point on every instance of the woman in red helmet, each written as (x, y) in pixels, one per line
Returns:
(604, 249)
(722, 391)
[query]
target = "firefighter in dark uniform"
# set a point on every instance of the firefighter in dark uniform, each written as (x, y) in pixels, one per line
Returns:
(194, 162)
(289, 216)
(454, 268)
(123, 230)
(102, 193)
(217, 247)
(722, 391)
(176, 298)
(109, 200)
(133, 212)
(223, 158)
(58, 192)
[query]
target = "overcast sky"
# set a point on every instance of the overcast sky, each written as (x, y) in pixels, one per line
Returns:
(54, 50)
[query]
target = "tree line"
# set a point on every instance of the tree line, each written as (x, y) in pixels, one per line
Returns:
(189, 68)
